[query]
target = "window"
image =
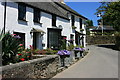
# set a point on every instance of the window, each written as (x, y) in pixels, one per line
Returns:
(54, 20)
(73, 20)
(72, 38)
(21, 12)
(22, 37)
(36, 15)
(80, 21)
(54, 38)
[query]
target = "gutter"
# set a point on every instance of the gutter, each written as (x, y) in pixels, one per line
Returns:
(4, 16)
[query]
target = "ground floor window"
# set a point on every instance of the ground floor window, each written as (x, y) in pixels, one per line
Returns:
(22, 37)
(54, 38)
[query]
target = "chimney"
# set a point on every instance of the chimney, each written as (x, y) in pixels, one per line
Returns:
(62, 1)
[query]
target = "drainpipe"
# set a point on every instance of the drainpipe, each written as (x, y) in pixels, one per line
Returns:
(4, 16)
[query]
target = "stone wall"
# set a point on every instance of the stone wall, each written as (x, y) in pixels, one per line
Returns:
(99, 39)
(45, 67)
(117, 41)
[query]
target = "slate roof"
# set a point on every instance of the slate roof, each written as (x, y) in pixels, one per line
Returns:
(48, 7)
(53, 8)
(67, 8)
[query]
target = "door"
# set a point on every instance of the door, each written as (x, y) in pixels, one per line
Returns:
(34, 40)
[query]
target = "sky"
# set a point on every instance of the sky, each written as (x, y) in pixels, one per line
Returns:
(86, 9)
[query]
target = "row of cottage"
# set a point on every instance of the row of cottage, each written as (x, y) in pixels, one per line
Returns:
(43, 24)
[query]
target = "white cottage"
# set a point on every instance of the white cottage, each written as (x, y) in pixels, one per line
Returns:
(42, 24)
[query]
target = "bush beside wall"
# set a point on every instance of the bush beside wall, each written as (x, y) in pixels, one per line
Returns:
(117, 40)
(45, 67)
(99, 39)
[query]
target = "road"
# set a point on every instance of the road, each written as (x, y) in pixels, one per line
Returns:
(99, 63)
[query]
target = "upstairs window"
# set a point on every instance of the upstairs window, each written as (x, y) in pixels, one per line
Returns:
(73, 20)
(54, 20)
(36, 15)
(21, 12)
(80, 21)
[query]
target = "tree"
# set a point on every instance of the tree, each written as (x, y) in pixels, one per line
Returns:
(89, 23)
(111, 13)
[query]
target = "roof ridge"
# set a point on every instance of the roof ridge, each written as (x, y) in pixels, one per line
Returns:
(66, 7)
(53, 4)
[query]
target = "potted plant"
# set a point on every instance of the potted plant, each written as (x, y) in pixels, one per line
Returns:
(79, 49)
(63, 54)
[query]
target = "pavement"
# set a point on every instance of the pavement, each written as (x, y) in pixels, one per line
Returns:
(100, 62)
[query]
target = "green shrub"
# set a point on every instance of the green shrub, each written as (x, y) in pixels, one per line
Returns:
(70, 47)
(10, 45)
(23, 54)
(117, 40)
(48, 51)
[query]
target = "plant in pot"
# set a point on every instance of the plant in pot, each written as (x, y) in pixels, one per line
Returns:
(79, 49)
(63, 54)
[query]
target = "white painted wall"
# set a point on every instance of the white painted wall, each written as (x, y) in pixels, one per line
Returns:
(15, 25)
(1, 16)
(77, 24)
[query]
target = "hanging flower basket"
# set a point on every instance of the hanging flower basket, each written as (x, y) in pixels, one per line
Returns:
(81, 29)
(73, 27)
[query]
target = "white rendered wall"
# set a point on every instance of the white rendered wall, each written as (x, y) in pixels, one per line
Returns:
(15, 25)
(1, 16)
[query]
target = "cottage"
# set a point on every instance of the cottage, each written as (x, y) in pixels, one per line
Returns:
(43, 24)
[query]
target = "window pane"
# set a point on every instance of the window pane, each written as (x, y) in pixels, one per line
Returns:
(73, 20)
(80, 20)
(21, 11)
(36, 15)
(53, 20)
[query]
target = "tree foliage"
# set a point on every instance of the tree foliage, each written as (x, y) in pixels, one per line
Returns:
(111, 13)
(89, 23)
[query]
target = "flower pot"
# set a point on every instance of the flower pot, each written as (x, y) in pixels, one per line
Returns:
(77, 56)
(64, 59)
(72, 57)
(81, 54)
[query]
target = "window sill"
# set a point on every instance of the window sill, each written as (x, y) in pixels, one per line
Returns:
(54, 26)
(22, 20)
(37, 22)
